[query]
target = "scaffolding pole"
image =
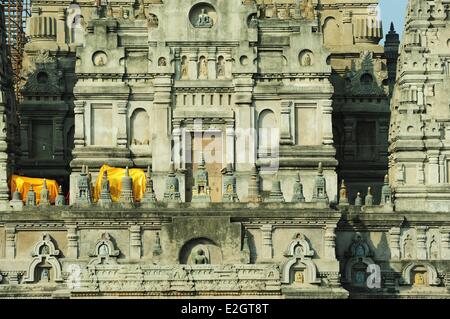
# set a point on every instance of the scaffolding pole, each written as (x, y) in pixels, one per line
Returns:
(16, 12)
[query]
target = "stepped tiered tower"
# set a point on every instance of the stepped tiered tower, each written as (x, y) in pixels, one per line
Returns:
(249, 115)
(420, 122)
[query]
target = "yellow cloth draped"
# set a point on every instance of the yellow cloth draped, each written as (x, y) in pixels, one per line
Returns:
(23, 184)
(115, 182)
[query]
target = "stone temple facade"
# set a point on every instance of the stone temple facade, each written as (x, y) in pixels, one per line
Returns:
(287, 154)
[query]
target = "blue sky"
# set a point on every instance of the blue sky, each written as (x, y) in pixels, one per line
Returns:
(393, 10)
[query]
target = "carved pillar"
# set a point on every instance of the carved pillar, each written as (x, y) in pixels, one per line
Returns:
(394, 242)
(330, 242)
(445, 243)
(421, 242)
(177, 147)
(161, 111)
(79, 137)
(72, 241)
(230, 142)
(267, 249)
(433, 169)
(177, 58)
(58, 142)
(193, 66)
(347, 28)
(135, 242)
(441, 169)
(285, 126)
(61, 26)
(10, 242)
(122, 136)
(24, 127)
(245, 120)
(212, 64)
(327, 129)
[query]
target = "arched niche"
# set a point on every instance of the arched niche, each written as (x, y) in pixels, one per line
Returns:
(211, 252)
(421, 274)
(44, 267)
(139, 127)
(268, 131)
(299, 269)
(331, 31)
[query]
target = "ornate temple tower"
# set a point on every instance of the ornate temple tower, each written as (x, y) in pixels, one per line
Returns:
(420, 125)
(352, 31)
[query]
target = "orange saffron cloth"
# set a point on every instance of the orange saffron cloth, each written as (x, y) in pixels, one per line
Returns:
(23, 185)
(115, 182)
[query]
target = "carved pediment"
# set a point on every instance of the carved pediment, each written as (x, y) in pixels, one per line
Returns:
(366, 76)
(44, 78)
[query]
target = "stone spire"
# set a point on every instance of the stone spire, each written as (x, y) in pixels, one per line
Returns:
(31, 197)
(320, 187)
(391, 45)
(201, 191)
(368, 201)
(105, 199)
(343, 197)
(276, 195)
(60, 199)
(149, 195)
(386, 192)
(229, 186)
(172, 193)
(16, 202)
(298, 196)
(254, 195)
(126, 193)
(84, 195)
(44, 199)
(358, 200)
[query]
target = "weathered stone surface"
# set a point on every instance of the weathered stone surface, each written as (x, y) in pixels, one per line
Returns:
(229, 103)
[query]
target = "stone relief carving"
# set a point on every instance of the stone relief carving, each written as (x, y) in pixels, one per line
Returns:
(420, 274)
(100, 58)
(407, 245)
(184, 68)
(204, 20)
(44, 267)
(104, 252)
(300, 264)
(366, 76)
(306, 58)
(359, 258)
(203, 68)
(307, 9)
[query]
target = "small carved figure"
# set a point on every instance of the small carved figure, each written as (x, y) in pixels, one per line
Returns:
(45, 250)
(221, 67)
(253, 22)
(103, 250)
(307, 8)
(204, 20)
(200, 258)
(299, 277)
(162, 62)
(360, 277)
(203, 68)
(184, 68)
(419, 279)
(45, 275)
(359, 251)
(307, 60)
